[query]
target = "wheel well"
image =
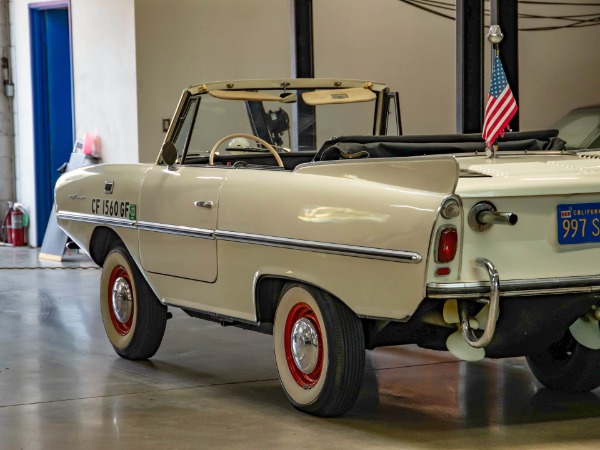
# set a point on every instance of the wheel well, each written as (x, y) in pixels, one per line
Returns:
(267, 296)
(268, 290)
(103, 239)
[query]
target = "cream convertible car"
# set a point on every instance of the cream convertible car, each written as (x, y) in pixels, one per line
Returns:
(368, 241)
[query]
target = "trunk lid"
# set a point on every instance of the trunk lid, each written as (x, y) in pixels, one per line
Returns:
(557, 200)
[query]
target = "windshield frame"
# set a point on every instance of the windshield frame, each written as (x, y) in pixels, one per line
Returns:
(197, 92)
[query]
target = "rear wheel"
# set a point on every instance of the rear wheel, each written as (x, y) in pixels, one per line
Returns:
(319, 351)
(133, 317)
(567, 365)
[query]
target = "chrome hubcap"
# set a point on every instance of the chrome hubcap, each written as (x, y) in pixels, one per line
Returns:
(122, 300)
(305, 345)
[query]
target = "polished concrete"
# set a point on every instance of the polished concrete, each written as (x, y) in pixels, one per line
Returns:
(63, 387)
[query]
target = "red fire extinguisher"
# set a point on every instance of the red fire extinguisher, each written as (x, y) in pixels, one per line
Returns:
(16, 231)
(7, 224)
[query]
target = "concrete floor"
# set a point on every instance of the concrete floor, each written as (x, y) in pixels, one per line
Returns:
(63, 387)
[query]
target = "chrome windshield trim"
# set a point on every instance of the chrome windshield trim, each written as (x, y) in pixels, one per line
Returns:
(176, 229)
(92, 218)
(517, 288)
(322, 247)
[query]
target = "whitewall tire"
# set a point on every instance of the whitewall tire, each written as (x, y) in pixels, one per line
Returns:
(319, 350)
(133, 317)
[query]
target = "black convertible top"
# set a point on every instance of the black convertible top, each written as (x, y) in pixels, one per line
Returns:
(351, 147)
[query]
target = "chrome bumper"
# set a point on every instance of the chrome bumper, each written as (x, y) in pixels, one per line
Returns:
(491, 292)
(516, 288)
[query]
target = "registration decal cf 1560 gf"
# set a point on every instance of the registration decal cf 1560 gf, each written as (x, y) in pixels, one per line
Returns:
(113, 208)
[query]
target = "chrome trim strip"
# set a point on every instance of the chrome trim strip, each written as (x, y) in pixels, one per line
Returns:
(323, 247)
(176, 229)
(248, 238)
(92, 218)
(517, 288)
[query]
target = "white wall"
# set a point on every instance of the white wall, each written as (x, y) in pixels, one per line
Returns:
(103, 38)
(104, 75)
(394, 43)
(562, 76)
(559, 69)
(414, 53)
(186, 42)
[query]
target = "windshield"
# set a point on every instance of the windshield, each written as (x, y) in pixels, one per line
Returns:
(287, 125)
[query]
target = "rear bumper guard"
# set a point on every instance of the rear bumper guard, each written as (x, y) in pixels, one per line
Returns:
(490, 293)
(493, 311)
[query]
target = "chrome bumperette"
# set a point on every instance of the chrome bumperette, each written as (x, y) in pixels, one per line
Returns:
(493, 312)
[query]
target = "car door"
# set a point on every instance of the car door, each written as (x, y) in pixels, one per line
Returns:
(177, 217)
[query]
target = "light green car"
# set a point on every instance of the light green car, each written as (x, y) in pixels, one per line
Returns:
(580, 128)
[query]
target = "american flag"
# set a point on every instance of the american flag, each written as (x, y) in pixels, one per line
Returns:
(501, 105)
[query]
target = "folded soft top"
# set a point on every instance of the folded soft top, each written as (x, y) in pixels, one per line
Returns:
(350, 147)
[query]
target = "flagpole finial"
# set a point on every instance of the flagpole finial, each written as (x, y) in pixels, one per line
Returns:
(495, 34)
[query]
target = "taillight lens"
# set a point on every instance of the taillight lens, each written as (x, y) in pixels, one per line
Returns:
(447, 244)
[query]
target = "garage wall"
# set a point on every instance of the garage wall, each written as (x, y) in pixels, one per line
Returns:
(105, 75)
(389, 41)
(564, 76)
(23, 109)
(414, 52)
(104, 84)
(6, 124)
(186, 42)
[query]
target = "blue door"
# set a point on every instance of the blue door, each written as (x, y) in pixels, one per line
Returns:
(52, 103)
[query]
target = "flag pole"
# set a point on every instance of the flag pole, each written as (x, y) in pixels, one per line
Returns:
(494, 36)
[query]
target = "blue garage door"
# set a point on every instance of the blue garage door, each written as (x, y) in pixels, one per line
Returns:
(52, 103)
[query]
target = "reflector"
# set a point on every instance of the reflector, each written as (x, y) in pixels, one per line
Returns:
(442, 271)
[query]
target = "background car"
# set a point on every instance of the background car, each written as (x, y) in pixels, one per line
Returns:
(580, 127)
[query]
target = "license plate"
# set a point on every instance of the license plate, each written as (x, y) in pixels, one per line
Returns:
(578, 223)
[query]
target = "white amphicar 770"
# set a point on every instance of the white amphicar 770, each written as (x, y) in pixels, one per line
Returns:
(255, 215)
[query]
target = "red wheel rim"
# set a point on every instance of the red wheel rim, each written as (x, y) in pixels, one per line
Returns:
(303, 311)
(122, 328)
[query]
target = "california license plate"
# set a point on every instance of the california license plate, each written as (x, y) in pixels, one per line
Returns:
(578, 223)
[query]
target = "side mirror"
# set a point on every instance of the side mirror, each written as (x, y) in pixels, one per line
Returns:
(169, 153)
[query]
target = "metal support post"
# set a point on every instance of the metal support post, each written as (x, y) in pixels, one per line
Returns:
(469, 66)
(505, 14)
(305, 133)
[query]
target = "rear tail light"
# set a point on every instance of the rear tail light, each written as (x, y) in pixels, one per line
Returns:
(447, 244)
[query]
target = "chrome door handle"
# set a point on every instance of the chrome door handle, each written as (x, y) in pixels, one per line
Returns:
(203, 204)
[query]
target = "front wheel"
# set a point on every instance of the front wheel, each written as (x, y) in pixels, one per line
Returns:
(319, 351)
(566, 365)
(133, 317)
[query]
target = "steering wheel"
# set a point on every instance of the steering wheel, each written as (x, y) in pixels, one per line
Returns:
(211, 157)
